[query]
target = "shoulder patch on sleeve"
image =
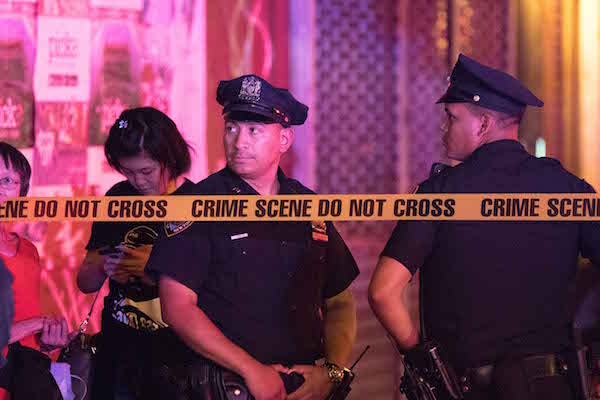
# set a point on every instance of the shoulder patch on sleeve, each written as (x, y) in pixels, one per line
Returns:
(173, 228)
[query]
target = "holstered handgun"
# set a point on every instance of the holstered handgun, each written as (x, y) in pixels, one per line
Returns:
(428, 375)
(413, 386)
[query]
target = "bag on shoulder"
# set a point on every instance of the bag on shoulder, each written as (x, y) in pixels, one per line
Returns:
(80, 355)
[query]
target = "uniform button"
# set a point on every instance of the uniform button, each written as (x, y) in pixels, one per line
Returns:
(283, 242)
(290, 274)
(293, 308)
(322, 258)
(244, 252)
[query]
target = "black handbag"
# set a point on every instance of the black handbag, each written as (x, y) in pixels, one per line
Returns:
(28, 373)
(80, 354)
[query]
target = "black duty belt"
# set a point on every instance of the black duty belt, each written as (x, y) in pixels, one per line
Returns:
(536, 366)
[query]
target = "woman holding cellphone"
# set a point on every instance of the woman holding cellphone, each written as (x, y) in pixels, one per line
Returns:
(146, 147)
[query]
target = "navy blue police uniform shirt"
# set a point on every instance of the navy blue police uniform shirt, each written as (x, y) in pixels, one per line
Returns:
(263, 284)
(497, 289)
(134, 305)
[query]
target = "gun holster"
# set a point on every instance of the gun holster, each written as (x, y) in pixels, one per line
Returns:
(434, 374)
(202, 379)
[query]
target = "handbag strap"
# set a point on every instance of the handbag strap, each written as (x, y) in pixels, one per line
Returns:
(84, 324)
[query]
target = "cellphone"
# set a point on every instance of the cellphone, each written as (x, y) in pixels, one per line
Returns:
(108, 250)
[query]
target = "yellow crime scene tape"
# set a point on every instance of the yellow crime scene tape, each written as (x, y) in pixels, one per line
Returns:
(348, 207)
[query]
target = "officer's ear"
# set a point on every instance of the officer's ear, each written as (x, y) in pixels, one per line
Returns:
(286, 137)
(486, 123)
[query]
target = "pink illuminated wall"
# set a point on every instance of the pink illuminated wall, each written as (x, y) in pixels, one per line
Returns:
(69, 67)
(67, 70)
(243, 37)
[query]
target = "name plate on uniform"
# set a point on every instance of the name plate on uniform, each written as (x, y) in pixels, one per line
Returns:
(319, 231)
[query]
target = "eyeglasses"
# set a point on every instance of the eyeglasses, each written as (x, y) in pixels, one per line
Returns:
(9, 183)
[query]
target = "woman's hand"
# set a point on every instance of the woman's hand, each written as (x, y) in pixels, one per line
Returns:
(55, 334)
(130, 262)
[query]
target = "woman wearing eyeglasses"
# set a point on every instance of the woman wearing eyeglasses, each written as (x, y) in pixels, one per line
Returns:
(30, 332)
(145, 146)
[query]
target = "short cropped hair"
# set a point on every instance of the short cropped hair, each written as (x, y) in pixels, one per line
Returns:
(14, 159)
(148, 130)
(503, 119)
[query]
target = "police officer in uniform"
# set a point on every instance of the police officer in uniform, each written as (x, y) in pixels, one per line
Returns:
(262, 299)
(494, 293)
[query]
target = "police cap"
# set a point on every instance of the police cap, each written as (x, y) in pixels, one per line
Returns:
(472, 82)
(251, 98)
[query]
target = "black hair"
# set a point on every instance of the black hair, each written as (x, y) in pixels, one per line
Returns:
(504, 119)
(14, 159)
(152, 132)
